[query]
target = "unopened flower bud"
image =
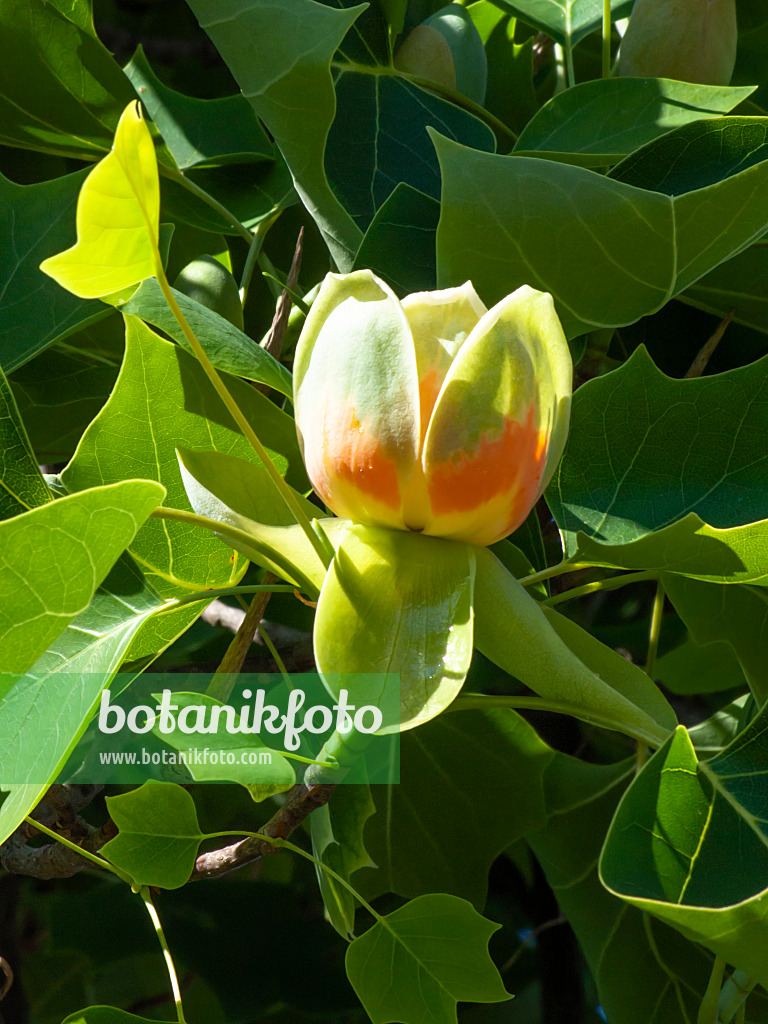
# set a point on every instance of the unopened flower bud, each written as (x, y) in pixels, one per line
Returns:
(686, 40)
(447, 49)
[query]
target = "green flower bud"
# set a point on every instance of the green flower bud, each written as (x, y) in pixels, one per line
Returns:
(447, 49)
(687, 40)
(206, 281)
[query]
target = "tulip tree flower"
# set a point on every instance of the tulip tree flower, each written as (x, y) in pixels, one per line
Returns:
(432, 414)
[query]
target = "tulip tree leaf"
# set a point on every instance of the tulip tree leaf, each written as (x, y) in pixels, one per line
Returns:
(471, 772)
(691, 548)
(512, 630)
(118, 218)
(21, 484)
(418, 962)
(689, 845)
(199, 132)
(55, 556)
(696, 155)
(159, 834)
(736, 615)
(399, 245)
(598, 123)
(693, 669)
(509, 94)
(256, 520)
(57, 395)
(567, 21)
(741, 284)
(226, 346)
(394, 147)
(162, 400)
(397, 602)
(105, 1015)
(34, 310)
(48, 100)
(613, 485)
(45, 710)
(608, 252)
(291, 89)
(645, 972)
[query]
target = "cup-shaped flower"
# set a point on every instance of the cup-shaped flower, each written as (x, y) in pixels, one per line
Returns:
(432, 414)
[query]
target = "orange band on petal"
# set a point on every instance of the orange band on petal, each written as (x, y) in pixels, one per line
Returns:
(515, 459)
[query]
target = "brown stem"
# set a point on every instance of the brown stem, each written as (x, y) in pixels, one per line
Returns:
(299, 803)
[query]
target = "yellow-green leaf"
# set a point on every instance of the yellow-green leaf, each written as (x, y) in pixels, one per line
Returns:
(118, 214)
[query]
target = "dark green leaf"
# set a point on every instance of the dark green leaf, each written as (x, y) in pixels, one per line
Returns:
(689, 845)
(697, 155)
(736, 615)
(21, 484)
(467, 773)
(646, 450)
(291, 89)
(389, 117)
(399, 245)
(416, 963)
(34, 310)
(598, 123)
(199, 132)
(60, 89)
(608, 252)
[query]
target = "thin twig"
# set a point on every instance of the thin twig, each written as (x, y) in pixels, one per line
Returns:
(225, 676)
(699, 364)
(299, 803)
(273, 342)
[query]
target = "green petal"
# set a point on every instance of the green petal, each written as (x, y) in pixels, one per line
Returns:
(356, 398)
(396, 602)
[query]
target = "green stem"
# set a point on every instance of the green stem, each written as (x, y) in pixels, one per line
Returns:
(606, 51)
(237, 415)
(481, 701)
(175, 987)
(207, 198)
(708, 1008)
(655, 629)
(287, 845)
(233, 534)
(569, 69)
(296, 299)
(614, 583)
(456, 97)
(734, 994)
(275, 656)
(211, 595)
(254, 251)
(553, 570)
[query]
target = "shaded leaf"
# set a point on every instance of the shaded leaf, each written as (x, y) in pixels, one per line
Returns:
(466, 773)
(608, 252)
(399, 245)
(417, 963)
(21, 484)
(391, 142)
(598, 123)
(34, 310)
(291, 89)
(199, 132)
(48, 100)
(616, 486)
(699, 847)
(566, 20)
